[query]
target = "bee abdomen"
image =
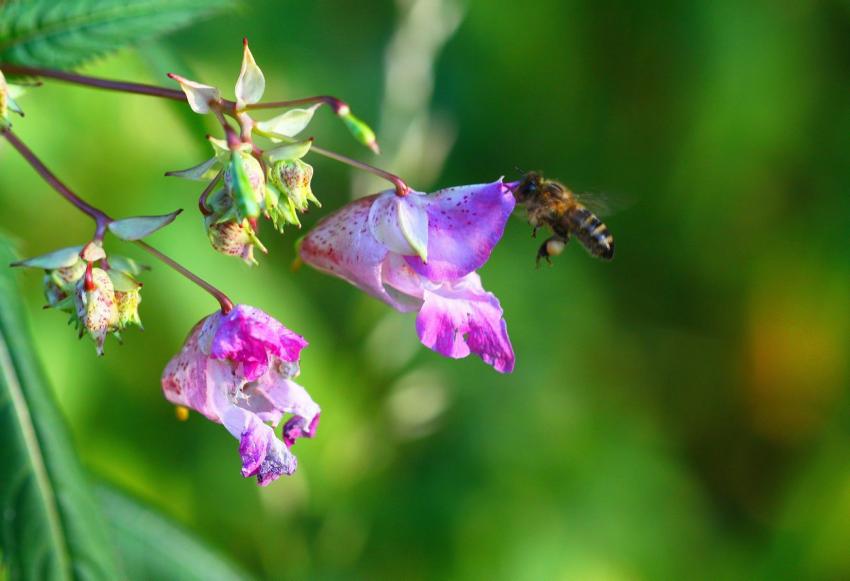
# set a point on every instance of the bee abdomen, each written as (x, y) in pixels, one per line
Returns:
(592, 233)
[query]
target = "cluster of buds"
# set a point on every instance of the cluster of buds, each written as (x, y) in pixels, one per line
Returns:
(274, 183)
(101, 295)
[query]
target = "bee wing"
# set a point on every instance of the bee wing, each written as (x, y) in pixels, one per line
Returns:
(604, 204)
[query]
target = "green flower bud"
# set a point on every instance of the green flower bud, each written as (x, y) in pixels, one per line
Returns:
(128, 308)
(292, 178)
(60, 285)
(234, 238)
(245, 182)
(361, 132)
(97, 310)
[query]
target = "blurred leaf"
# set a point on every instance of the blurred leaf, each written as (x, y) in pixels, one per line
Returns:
(62, 258)
(289, 124)
(52, 528)
(138, 227)
(67, 34)
(153, 547)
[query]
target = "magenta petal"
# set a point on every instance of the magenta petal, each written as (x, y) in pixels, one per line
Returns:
(263, 454)
(464, 224)
(248, 335)
(462, 318)
(299, 427)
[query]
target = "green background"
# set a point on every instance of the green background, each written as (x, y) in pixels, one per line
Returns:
(681, 412)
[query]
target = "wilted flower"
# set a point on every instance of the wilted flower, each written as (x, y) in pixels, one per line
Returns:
(420, 253)
(100, 300)
(236, 369)
(97, 310)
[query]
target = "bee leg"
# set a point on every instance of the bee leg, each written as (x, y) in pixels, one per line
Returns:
(553, 246)
(534, 232)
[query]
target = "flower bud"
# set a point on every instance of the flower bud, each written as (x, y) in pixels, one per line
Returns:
(245, 182)
(292, 178)
(128, 308)
(60, 285)
(7, 101)
(359, 130)
(234, 238)
(96, 307)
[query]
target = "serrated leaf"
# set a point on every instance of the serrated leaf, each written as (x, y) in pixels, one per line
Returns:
(289, 124)
(295, 150)
(66, 34)
(203, 171)
(138, 227)
(153, 547)
(52, 528)
(62, 258)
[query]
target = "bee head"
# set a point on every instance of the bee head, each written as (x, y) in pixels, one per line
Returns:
(528, 187)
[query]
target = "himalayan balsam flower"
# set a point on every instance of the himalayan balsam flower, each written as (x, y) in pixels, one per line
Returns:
(420, 253)
(237, 370)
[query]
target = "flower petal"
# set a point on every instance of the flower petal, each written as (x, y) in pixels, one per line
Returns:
(263, 454)
(198, 95)
(299, 427)
(465, 223)
(251, 83)
(193, 380)
(462, 318)
(400, 223)
(274, 395)
(248, 335)
(342, 245)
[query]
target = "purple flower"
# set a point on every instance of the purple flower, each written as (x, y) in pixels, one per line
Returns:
(237, 370)
(420, 253)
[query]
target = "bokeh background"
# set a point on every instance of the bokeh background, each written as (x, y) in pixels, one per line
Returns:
(681, 412)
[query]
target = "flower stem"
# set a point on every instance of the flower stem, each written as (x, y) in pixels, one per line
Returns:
(124, 87)
(223, 299)
(338, 106)
(401, 188)
(102, 220)
(224, 107)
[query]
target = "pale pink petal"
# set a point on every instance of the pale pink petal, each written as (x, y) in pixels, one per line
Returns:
(462, 318)
(464, 224)
(274, 395)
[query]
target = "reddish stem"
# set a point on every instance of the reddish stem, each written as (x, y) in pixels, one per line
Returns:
(401, 188)
(338, 106)
(102, 220)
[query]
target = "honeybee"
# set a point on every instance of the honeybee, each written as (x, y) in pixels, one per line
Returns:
(551, 203)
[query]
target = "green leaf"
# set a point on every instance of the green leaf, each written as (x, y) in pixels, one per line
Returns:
(289, 151)
(138, 227)
(62, 258)
(289, 124)
(66, 34)
(153, 547)
(52, 528)
(203, 171)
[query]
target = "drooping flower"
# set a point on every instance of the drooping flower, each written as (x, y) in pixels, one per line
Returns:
(236, 369)
(420, 253)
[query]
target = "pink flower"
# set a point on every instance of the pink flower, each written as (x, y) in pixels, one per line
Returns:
(420, 253)
(237, 370)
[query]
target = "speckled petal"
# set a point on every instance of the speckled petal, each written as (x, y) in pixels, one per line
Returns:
(263, 454)
(274, 395)
(461, 318)
(464, 224)
(342, 245)
(249, 336)
(299, 427)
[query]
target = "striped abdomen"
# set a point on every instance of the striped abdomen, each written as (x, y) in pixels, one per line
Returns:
(591, 232)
